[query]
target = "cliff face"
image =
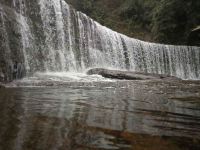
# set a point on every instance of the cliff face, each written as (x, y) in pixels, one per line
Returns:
(10, 43)
(18, 20)
(49, 35)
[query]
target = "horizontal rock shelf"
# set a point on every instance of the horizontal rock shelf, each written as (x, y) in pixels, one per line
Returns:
(128, 75)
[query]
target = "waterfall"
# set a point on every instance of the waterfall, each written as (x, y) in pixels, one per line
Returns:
(25, 34)
(5, 50)
(75, 42)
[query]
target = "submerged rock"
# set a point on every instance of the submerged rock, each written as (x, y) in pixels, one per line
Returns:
(128, 75)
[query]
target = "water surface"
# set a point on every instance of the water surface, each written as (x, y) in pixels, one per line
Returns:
(101, 115)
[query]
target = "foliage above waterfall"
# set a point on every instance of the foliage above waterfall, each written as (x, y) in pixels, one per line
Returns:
(166, 21)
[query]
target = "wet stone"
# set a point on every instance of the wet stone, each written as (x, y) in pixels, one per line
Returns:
(128, 75)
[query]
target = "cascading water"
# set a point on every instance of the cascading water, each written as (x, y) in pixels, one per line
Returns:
(4, 38)
(26, 36)
(75, 42)
(54, 44)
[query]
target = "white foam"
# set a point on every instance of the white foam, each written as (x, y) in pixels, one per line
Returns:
(40, 79)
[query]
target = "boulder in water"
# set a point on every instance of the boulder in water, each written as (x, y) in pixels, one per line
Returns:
(127, 75)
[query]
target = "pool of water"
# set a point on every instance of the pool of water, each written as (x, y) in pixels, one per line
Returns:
(100, 115)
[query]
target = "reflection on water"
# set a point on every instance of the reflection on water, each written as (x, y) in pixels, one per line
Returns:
(117, 115)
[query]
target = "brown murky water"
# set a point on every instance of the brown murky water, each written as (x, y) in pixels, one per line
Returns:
(139, 115)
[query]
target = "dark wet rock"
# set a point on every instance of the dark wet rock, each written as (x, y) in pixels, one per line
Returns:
(10, 43)
(15, 71)
(128, 75)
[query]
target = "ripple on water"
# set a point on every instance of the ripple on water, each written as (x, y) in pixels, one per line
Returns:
(101, 115)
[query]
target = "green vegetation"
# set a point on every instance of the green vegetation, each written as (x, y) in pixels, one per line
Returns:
(165, 21)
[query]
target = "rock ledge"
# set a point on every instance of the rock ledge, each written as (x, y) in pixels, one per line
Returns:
(128, 75)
